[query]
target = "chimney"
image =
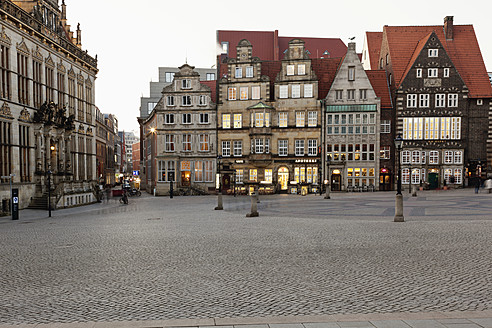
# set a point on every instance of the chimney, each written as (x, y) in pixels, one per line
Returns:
(351, 46)
(448, 27)
(63, 11)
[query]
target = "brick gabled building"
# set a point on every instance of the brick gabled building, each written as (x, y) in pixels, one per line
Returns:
(442, 96)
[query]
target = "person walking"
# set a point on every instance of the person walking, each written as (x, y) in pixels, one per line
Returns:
(478, 182)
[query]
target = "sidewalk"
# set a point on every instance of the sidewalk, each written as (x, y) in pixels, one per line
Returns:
(482, 319)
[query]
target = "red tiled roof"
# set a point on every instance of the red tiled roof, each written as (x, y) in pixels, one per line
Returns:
(325, 69)
(316, 46)
(380, 85)
(265, 44)
(213, 87)
(463, 50)
(374, 40)
(271, 69)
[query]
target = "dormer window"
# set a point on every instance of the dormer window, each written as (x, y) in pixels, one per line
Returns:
(301, 69)
(249, 71)
(433, 52)
(290, 69)
(186, 84)
(239, 72)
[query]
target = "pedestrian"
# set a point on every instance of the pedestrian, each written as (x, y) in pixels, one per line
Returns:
(478, 182)
(108, 193)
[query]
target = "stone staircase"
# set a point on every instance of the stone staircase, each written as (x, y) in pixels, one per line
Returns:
(39, 203)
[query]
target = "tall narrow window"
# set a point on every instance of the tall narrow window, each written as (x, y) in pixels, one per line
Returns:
(283, 147)
(296, 91)
(169, 139)
(226, 148)
(226, 121)
(446, 72)
(282, 119)
(239, 72)
(60, 85)
(440, 100)
(88, 103)
(412, 100)
(424, 100)
(37, 83)
(243, 93)
(4, 72)
(312, 119)
(238, 148)
(80, 99)
(5, 150)
(283, 91)
(300, 119)
(255, 92)
(186, 142)
(249, 71)
(231, 94)
(238, 121)
(301, 69)
(290, 69)
(308, 90)
(204, 142)
(419, 73)
(351, 73)
(50, 83)
(71, 95)
(299, 147)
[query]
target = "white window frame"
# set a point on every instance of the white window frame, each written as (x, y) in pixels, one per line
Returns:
(283, 119)
(259, 145)
(446, 72)
(226, 148)
(458, 157)
(424, 100)
(385, 126)
(351, 73)
(231, 93)
(308, 90)
(170, 101)
(299, 147)
(238, 72)
(440, 100)
(255, 92)
(204, 143)
(283, 147)
(411, 100)
(169, 142)
(300, 119)
(185, 84)
(238, 121)
(249, 71)
(301, 69)
(452, 100)
(202, 100)
(186, 117)
(290, 70)
(432, 72)
(202, 118)
(419, 73)
(448, 157)
(187, 142)
(312, 147)
(296, 90)
(243, 93)
(433, 52)
(433, 157)
(283, 91)
(186, 100)
(238, 147)
(312, 119)
(226, 121)
(169, 118)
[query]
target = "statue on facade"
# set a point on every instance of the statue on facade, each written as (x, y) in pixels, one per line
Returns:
(69, 122)
(45, 113)
(60, 117)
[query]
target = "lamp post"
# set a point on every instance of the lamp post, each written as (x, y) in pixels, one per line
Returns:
(399, 197)
(219, 195)
(49, 192)
(327, 193)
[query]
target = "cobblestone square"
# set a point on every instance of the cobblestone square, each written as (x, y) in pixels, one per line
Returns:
(161, 258)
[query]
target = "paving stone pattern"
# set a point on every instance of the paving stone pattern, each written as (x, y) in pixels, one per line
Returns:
(161, 258)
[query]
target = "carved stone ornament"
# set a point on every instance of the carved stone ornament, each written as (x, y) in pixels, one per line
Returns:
(49, 62)
(36, 53)
(5, 111)
(24, 115)
(22, 47)
(4, 38)
(61, 68)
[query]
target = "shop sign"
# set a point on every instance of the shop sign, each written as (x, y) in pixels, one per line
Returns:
(185, 166)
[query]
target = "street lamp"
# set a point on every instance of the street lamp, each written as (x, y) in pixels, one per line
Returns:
(327, 184)
(219, 196)
(49, 192)
(399, 197)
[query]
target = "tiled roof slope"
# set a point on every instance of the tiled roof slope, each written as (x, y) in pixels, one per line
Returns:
(265, 42)
(380, 85)
(316, 46)
(213, 87)
(374, 40)
(463, 50)
(325, 70)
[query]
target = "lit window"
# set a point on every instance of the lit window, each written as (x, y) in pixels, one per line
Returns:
(300, 119)
(243, 93)
(169, 139)
(282, 119)
(238, 119)
(226, 121)
(253, 175)
(433, 157)
(458, 157)
(268, 175)
(239, 176)
(231, 94)
(259, 120)
(204, 141)
(312, 118)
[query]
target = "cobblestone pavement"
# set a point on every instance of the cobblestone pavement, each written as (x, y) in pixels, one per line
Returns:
(161, 258)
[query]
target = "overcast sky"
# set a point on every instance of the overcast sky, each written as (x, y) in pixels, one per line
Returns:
(132, 38)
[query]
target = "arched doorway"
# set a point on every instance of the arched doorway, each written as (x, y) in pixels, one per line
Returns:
(283, 178)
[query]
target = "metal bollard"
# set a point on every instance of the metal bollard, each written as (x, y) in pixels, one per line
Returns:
(219, 201)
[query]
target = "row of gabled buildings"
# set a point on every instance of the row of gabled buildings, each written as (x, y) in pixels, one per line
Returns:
(301, 118)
